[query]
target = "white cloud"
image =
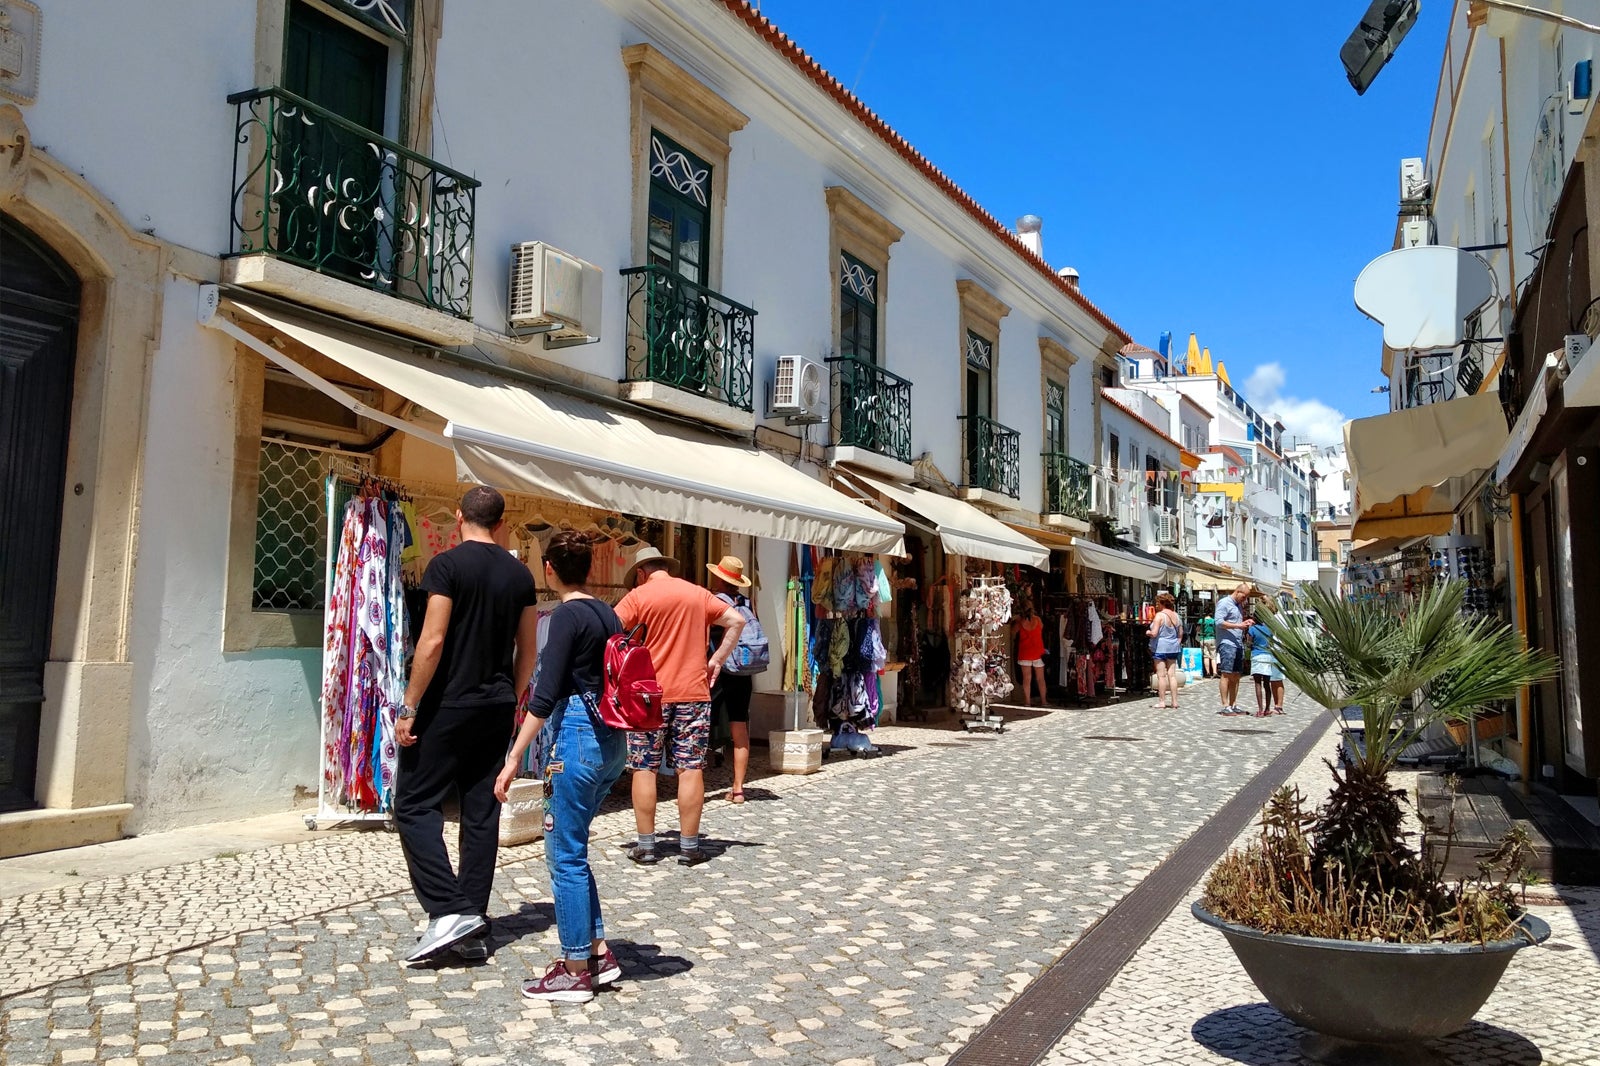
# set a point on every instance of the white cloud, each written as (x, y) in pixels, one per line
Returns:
(1308, 419)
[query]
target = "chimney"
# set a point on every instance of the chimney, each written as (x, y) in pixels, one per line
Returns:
(1028, 227)
(1070, 276)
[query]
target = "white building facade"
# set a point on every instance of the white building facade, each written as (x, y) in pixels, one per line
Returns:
(353, 176)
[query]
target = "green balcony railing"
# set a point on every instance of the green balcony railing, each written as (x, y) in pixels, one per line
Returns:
(1068, 485)
(684, 335)
(871, 408)
(317, 190)
(994, 459)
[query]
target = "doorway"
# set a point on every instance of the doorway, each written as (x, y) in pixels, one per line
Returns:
(39, 297)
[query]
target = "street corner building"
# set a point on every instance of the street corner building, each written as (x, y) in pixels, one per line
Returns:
(678, 288)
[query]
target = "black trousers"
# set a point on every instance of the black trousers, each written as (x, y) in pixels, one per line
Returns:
(460, 750)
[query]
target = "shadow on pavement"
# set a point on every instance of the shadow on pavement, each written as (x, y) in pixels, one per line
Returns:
(645, 962)
(1256, 1034)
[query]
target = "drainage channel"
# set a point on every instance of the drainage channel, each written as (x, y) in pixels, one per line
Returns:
(1022, 1033)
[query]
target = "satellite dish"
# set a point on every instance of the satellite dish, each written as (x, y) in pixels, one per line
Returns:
(1375, 38)
(1423, 295)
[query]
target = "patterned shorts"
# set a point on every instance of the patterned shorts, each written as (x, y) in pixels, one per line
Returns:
(687, 735)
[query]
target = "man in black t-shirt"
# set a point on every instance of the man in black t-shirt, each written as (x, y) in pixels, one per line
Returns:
(460, 707)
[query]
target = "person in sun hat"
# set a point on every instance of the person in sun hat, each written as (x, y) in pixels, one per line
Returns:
(730, 696)
(678, 616)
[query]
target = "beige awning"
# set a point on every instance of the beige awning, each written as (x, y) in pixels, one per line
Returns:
(550, 444)
(962, 528)
(1111, 561)
(1395, 454)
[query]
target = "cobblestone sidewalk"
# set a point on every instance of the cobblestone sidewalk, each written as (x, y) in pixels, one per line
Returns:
(876, 913)
(1183, 1000)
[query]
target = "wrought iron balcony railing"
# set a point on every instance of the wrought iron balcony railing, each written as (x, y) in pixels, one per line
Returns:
(994, 459)
(871, 408)
(318, 190)
(1068, 485)
(684, 335)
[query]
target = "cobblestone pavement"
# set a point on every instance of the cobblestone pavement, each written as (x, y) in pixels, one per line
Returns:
(878, 912)
(1183, 1000)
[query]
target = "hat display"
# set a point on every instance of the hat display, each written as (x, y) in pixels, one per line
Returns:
(731, 570)
(647, 554)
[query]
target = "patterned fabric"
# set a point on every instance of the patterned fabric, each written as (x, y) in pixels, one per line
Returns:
(687, 736)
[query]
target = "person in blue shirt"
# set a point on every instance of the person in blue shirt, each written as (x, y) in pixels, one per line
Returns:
(1264, 670)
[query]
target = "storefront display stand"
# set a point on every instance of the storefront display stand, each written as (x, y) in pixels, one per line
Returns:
(796, 750)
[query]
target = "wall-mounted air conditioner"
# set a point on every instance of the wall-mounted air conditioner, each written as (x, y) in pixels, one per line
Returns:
(1102, 496)
(1167, 528)
(553, 294)
(1415, 232)
(799, 391)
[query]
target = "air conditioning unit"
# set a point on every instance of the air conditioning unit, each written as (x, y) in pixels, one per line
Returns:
(1414, 233)
(553, 294)
(1413, 180)
(1167, 528)
(1102, 497)
(799, 391)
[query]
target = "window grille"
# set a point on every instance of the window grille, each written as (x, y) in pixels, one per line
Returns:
(291, 554)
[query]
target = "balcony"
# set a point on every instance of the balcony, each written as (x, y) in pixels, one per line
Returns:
(698, 344)
(316, 191)
(1068, 487)
(993, 461)
(871, 417)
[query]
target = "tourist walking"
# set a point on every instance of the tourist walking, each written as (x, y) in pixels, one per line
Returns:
(735, 685)
(1265, 672)
(1166, 647)
(476, 652)
(1030, 651)
(579, 758)
(678, 616)
(1231, 627)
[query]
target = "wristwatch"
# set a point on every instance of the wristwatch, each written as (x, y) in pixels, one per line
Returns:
(405, 711)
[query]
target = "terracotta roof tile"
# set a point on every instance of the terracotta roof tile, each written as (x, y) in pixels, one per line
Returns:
(785, 46)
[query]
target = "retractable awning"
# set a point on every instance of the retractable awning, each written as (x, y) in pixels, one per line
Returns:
(1111, 561)
(549, 444)
(962, 528)
(1396, 454)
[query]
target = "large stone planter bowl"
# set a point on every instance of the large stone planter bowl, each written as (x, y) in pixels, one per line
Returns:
(1371, 993)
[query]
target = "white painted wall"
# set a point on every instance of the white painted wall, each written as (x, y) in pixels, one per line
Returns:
(532, 99)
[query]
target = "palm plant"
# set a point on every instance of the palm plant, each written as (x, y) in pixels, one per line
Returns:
(1376, 658)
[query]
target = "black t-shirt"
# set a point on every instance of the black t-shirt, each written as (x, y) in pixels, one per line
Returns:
(572, 660)
(488, 590)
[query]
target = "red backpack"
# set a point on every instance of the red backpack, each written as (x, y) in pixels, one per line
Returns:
(631, 696)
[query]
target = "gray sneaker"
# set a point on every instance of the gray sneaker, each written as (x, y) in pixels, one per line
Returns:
(443, 933)
(474, 948)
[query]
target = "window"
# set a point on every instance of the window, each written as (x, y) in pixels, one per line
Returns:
(291, 542)
(1154, 486)
(980, 376)
(1055, 417)
(1116, 449)
(1493, 182)
(1108, 377)
(679, 226)
(858, 309)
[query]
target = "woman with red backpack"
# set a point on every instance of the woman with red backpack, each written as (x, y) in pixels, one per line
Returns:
(580, 757)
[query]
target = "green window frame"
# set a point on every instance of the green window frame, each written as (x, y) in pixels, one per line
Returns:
(858, 309)
(980, 376)
(679, 227)
(1055, 417)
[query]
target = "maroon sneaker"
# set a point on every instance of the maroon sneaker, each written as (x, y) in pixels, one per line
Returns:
(560, 986)
(605, 968)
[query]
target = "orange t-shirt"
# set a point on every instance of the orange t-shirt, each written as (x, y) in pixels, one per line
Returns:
(678, 615)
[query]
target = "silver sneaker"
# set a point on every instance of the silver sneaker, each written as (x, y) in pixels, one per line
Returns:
(473, 948)
(442, 933)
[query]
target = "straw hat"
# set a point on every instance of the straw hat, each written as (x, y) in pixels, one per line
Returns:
(646, 554)
(731, 570)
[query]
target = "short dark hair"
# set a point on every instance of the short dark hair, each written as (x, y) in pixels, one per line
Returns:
(483, 506)
(570, 554)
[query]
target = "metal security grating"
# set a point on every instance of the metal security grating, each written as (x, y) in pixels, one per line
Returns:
(291, 527)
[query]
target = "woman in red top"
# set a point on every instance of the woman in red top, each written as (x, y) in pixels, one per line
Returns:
(1030, 652)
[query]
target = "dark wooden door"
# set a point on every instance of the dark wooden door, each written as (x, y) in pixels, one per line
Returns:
(38, 334)
(345, 71)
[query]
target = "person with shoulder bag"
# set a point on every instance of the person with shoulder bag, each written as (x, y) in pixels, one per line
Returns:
(735, 687)
(580, 758)
(1166, 646)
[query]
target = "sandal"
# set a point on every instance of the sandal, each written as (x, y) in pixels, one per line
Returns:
(736, 797)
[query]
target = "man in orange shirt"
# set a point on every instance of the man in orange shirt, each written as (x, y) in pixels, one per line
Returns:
(678, 616)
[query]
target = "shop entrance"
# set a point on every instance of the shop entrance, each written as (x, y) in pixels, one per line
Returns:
(38, 339)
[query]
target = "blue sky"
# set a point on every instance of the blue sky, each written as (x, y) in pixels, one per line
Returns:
(1205, 167)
